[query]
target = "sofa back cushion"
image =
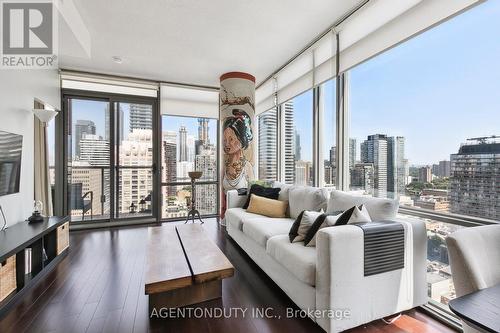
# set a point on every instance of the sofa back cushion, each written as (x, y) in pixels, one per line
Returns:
(380, 209)
(302, 198)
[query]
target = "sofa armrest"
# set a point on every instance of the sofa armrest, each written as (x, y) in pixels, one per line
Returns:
(234, 200)
(341, 285)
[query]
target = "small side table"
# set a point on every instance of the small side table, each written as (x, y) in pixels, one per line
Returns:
(193, 212)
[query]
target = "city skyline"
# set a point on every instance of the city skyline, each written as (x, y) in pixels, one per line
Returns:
(408, 88)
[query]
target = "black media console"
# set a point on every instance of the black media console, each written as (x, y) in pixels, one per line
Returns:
(27, 252)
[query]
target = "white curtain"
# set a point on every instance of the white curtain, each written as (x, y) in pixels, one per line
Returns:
(43, 191)
(374, 28)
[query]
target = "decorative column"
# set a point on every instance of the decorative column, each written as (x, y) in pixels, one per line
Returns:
(237, 116)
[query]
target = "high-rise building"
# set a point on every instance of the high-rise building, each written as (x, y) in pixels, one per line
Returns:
(330, 168)
(389, 164)
(435, 169)
(136, 183)
(362, 177)
(94, 150)
(303, 170)
(169, 173)
(107, 125)
(425, 174)
(298, 147)
(90, 181)
(402, 171)
(374, 151)
(183, 168)
(268, 148)
(82, 127)
(329, 174)
(191, 148)
(333, 156)
(183, 144)
(289, 147)
(474, 178)
(141, 117)
(444, 169)
(206, 195)
(352, 152)
(203, 130)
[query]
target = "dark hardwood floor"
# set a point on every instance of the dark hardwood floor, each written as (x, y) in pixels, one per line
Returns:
(99, 287)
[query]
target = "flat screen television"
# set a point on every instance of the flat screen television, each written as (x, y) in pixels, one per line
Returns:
(11, 146)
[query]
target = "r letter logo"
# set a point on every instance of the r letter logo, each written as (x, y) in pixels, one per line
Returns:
(28, 31)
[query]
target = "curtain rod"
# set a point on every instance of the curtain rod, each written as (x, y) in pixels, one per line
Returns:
(323, 34)
(132, 78)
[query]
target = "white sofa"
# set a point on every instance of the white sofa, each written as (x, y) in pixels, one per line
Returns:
(330, 277)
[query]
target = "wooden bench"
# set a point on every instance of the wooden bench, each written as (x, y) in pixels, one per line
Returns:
(184, 267)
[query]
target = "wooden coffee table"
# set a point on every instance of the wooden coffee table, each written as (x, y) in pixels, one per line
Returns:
(184, 267)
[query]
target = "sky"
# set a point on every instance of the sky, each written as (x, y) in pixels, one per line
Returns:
(436, 90)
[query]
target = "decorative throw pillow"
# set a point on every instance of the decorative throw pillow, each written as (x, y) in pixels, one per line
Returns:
(322, 221)
(353, 215)
(302, 224)
(267, 207)
(261, 191)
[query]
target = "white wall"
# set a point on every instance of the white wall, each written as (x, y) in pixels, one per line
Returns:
(18, 89)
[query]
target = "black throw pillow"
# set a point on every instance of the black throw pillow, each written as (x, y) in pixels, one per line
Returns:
(261, 191)
(294, 230)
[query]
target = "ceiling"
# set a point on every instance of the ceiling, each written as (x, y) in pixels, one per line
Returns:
(191, 41)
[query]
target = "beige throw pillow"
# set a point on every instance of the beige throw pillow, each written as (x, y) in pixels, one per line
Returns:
(267, 207)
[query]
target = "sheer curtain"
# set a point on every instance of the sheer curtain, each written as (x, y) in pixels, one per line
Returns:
(43, 191)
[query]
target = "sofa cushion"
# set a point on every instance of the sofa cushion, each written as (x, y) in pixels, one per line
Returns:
(235, 217)
(380, 209)
(306, 198)
(261, 229)
(298, 259)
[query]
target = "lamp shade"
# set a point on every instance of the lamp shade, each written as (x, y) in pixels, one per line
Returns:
(45, 115)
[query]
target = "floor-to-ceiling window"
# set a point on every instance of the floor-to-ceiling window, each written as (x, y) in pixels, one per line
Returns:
(423, 117)
(297, 136)
(110, 156)
(189, 144)
(268, 145)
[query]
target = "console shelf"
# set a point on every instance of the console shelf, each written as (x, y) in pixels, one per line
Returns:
(43, 241)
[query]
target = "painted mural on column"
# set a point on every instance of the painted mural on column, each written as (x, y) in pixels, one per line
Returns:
(237, 115)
